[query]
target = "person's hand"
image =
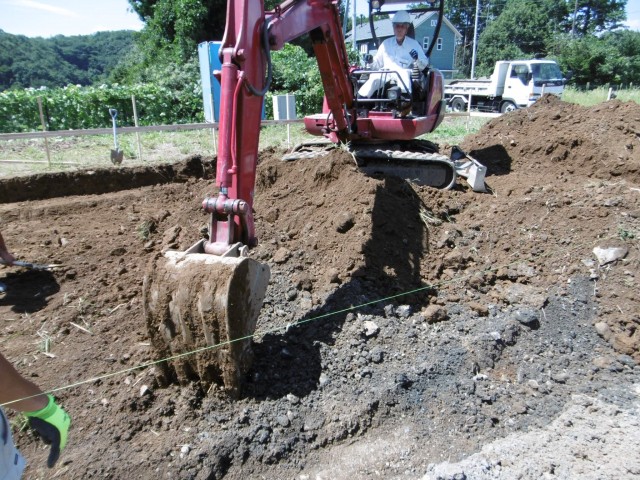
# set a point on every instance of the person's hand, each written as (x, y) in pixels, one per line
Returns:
(52, 424)
(414, 54)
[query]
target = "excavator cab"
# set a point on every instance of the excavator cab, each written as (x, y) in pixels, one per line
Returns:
(405, 91)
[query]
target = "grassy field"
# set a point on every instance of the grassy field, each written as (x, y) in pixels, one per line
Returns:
(20, 157)
(598, 95)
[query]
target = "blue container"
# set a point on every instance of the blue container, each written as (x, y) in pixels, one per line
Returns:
(209, 61)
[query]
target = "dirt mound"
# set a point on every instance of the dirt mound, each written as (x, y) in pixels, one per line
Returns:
(327, 222)
(564, 139)
(402, 326)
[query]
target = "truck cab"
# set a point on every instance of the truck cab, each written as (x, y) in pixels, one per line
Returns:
(513, 84)
(527, 81)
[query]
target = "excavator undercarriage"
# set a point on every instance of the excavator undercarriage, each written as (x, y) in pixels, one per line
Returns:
(416, 161)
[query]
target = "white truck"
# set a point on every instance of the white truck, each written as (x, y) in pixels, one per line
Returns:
(513, 84)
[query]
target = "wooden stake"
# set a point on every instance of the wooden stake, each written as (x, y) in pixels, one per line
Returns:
(44, 129)
(135, 121)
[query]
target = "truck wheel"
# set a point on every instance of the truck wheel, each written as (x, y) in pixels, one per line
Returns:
(458, 105)
(508, 107)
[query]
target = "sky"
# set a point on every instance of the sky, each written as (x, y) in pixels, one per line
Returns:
(633, 14)
(46, 18)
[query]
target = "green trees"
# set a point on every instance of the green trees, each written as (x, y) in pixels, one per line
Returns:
(584, 36)
(521, 30)
(596, 16)
(174, 28)
(611, 58)
(166, 50)
(581, 35)
(295, 72)
(59, 61)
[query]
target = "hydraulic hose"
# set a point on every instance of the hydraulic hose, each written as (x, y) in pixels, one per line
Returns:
(267, 52)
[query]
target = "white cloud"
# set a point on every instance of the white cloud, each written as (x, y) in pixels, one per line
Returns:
(43, 6)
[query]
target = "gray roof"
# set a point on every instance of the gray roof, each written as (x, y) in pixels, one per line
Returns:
(384, 27)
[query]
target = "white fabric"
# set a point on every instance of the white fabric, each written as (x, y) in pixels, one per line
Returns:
(11, 462)
(391, 56)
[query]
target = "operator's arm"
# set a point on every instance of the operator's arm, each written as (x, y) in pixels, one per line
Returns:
(4, 254)
(378, 59)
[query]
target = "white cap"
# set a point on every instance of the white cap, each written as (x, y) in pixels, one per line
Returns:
(401, 17)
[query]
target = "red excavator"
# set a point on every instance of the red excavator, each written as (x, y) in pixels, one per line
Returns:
(208, 298)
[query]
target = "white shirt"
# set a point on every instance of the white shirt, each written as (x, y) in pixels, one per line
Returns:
(394, 57)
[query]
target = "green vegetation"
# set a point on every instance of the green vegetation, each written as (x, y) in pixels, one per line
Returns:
(588, 98)
(583, 36)
(74, 107)
(60, 61)
(453, 129)
(159, 65)
(294, 71)
(174, 96)
(168, 147)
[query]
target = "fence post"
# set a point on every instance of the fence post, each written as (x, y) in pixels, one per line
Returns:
(135, 122)
(44, 129)
(468, 112)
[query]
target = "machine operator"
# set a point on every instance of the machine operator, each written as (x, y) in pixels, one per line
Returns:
(397, 53)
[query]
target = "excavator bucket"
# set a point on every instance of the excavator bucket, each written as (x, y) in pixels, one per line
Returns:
(201, 312)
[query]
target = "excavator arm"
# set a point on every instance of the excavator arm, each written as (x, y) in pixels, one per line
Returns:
(250, 35)
(210, 295)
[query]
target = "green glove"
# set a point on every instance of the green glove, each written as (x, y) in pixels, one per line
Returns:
(52, 424)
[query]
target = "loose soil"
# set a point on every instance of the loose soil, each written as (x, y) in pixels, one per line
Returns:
(407, 332)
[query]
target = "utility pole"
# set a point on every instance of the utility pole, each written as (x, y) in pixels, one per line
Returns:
(573, 24)
(475, 39)
(353, 26)
(345, 19)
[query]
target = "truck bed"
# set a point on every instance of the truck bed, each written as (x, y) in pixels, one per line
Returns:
(470, 86)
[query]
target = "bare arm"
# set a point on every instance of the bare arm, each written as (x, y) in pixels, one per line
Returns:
(14, 386)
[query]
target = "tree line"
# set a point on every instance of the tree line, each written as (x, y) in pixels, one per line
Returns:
(584, 36)
(60, 60)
